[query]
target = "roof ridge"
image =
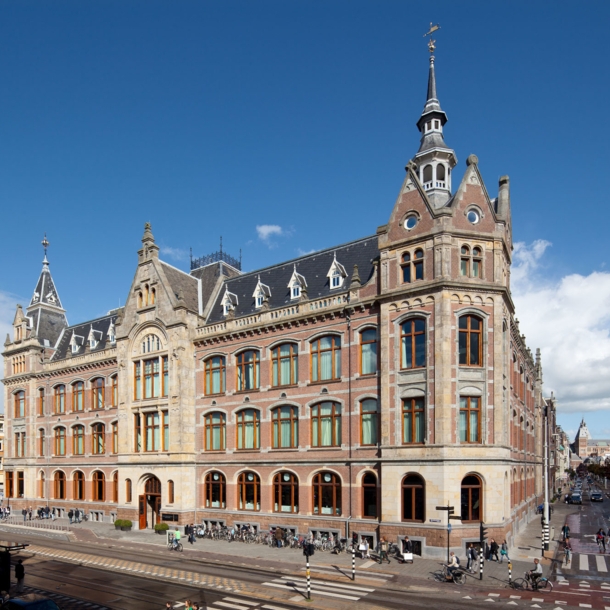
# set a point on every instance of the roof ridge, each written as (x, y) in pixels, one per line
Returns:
(300, 258)
(176, 269)
(108, 315)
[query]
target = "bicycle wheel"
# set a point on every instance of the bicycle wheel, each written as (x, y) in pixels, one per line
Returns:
(179, 547)
(519, 584)
(544, 584)
(459, 578)
(170, 546)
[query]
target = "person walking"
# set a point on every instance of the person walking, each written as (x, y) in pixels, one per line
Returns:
(565, 532)
(504, 552)
(366, 551)
(70, 515)
(383, 551)
(493, 550)
(279, 534)
(19, 575)
(24, 512)
(471, 558)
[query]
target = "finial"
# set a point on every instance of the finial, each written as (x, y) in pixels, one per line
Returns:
(45, 245)
(432, 43)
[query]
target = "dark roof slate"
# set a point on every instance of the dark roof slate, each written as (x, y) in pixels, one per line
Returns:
(313, 267)
(183, 284)
(100, 326)
(45, 292)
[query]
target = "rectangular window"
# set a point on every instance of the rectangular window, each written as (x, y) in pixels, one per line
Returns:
(165, 362)
(285, 365)
(151, 432)
(215, 375)
(326, 425)
(413, 417)
(137, 427)
(41, 443)
(20, 484)
(137, 380)
(78, 440)
(115, 391)
(248, 371)
(470, 421)
(41, 401)
(326, 359)
(215, 424)
(115, 438)
(369, 422)
(77, 396)
(9, 484)
(165, 418)
(248, 430)
(368, 352)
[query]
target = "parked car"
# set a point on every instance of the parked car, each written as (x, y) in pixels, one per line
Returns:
(30, 601)
(575, 498)
(597, 496)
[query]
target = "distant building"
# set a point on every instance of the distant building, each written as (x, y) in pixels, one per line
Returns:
(586, 447)
(353, 389)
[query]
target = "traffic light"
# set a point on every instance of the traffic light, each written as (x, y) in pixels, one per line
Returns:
(308, 549)
(483, 532)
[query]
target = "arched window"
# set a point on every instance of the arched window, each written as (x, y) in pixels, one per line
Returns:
(326, 424)
(470, 419)
(40, 401)
(413, 343)
(97, 393)
(59, 485)
(59, 399)
(78, 396)
(413, 498)
(20, 404)
(472, 499)
(369, 496)
(248, 429)
(440, 174)
(470, 340)
(41, 486)
(115, 487)
(369, 422)
(326, 494)
(115, 437)
(115, 390)
(326, 359)
(128, 490)
(427, 174)
(215, 490)
(413, 420)
(42, 443)
(477, 262)
(248, 370)
(78, 485)
(285, 365)
(215, 431)
(249, 486)
(465, 261)
(60, 441)
(368, 351)
(99, 485)
(285, 493)
(78, 440)
(412, 266)
(153, 296)
(170, 492)
(285, 427)
(99, 440)
(215, 375)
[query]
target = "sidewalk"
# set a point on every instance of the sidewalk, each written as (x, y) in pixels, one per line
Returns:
(416, 576)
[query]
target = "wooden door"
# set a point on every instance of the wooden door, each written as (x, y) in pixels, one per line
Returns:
(142, 512)
(157, 509)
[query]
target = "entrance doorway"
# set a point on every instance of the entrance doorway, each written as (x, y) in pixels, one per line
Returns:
(149, 504)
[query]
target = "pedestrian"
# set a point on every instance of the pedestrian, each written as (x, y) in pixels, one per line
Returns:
(188, 605)
(383, 551)
(195, 606)
(565, 532)
(366, 551)
(70, 515)
(471, 557)
(493, 550)
(192, 534)
(504, 552)
(25, 514)
(407, 547)
(30, 514)
(169, 606)
(279, 534)
(19, 575)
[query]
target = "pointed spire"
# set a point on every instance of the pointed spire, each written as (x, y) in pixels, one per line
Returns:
(45, 292)
(148, 236)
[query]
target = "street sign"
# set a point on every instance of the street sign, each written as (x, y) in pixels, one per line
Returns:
(449, 527)
(443, 507)
(435, 520)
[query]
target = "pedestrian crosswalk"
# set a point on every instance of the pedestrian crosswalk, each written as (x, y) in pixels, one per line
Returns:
(582, 562)
(65, 602)
(335, 590)
(233, 603)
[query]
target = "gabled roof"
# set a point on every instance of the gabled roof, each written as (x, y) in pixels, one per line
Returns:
(313, 267)
(183, 286)
(81, 332)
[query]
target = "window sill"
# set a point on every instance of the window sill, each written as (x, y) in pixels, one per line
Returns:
(276, 449)
(248, 450)
(330, 448)
(247, 391)
(207, 451)
(284, 387)
(367, 375)
(325, 382)
(214, 395)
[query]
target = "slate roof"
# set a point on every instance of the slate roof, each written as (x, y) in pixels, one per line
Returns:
(183, 284)
(47, 325)
(100, 327)
(209, 276)
(313, 267)
(45, 292)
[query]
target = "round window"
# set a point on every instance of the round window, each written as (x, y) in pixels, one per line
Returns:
(410, 222)
(215, 477)
(286, 477)
(473, 217)
(327, 478)
(250, 477)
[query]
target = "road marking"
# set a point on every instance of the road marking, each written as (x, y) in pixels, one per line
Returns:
(537, 599)
(269, 607)
(585, 605)
(493, 595)
(601, 563)
(241, 601)
(233, 606)
(327, 584)
(584, 562)
(368, 564)
(313, 589)
(515, 597)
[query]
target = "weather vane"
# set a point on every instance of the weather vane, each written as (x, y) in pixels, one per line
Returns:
(45, 244)
(432, 43)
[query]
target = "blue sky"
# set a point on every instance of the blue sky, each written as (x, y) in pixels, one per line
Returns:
(213, 118)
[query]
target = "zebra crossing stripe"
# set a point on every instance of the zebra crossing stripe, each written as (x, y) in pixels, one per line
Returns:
(601, 563)
(584, 562)
(229, 605)
(333, 585)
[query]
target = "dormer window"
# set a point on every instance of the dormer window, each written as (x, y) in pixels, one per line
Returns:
(336, 274)
(94, 338)
(297, 284)
(111, 333)
(229, 302)
(262, 293)
(76, 343)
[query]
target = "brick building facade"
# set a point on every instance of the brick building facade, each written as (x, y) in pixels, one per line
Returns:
(352, 389)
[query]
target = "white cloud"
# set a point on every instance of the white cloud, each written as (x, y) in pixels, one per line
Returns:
(177, 254)
(302, 252)
(569, 320)
(265, 232)
(8, 302)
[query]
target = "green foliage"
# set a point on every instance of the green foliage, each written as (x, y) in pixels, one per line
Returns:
(127, 523)
(161, 527)
(119, 523)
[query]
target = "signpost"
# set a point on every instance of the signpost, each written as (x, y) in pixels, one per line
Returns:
(450, 510)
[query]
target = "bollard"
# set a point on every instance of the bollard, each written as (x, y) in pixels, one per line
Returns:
(308, 580)
(510, 573)
(353, 561)
(542, 536)
(481, 562)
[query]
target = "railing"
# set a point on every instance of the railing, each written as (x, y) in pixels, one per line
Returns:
(215, 257)
(45, 524)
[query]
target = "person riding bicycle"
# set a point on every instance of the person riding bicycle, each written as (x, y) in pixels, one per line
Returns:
(535, 574)
(452, 566)
(176, 539)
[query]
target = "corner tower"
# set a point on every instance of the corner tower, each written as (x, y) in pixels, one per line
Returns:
(434, 159)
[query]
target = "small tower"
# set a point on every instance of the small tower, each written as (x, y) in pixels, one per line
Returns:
(434, 159)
